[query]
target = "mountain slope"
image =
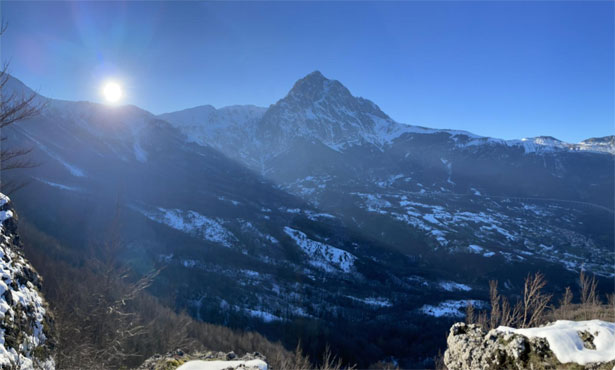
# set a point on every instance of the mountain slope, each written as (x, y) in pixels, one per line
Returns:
(317, 215)
(447, 190)
(235, 248)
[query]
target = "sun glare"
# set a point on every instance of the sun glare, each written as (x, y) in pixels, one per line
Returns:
(112, 92)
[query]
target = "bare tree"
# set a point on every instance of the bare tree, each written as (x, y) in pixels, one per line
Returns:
(510, 314)
(588, 289)
(470, 316)
(496, 313)
(534, 301)
(14, 107)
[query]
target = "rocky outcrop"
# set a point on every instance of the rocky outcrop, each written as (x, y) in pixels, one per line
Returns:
(26, 339)
(178, 359)
(471, 348)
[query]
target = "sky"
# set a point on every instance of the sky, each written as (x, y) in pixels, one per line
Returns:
(495, 68)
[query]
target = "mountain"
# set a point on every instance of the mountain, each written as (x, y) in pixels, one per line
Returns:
(450, 190)
(319, 217)
(236, 249)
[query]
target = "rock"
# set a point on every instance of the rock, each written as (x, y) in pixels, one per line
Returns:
(588, 339)
(470, 347)
(26, 325)
(175, 359)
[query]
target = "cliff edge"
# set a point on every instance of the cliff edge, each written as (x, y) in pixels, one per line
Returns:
(26, 326)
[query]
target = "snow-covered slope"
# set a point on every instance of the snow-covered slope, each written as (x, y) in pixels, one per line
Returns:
(206, 125)
(549, 144)
(329, 147)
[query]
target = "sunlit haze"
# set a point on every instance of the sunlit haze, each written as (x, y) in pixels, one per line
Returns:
(501, 69)
(112, 92)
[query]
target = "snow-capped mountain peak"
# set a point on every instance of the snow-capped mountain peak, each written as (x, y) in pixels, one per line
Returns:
(317, 108)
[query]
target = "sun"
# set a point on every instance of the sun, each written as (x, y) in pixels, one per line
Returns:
(112, 92)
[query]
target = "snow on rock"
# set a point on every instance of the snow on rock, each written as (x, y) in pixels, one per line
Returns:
(566, 343)
(547, 144)
(262, 315)
(24, 323)
(477, 249)
(449, 308)
(224, 365)
(451, 286)
(372, 301)
(205, 361)
(322, 256)
(582, 344)
(193, 223)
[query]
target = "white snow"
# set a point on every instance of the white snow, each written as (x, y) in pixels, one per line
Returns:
(26, 295)
(451, 286)
(194, 223)
(262, 315)
(5, 215)
(566, 344)
(449, 308)
(222, 365)
(543, 144)
(3, 199)
(372, 301)
(431, 218)
(322, 255)
(475, 248)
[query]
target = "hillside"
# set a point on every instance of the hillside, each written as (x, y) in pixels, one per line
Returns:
(27, 335)
(319, 216)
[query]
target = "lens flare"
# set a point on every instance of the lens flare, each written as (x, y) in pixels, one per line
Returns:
(112, 92)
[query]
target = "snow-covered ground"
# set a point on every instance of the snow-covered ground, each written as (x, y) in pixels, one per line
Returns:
(501, 224)
(451, 286)
(322, 255)
(194, 223)
(567, 345)
(449, 308)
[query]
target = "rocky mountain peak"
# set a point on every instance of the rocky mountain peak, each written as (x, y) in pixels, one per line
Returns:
(317, 91)
(315, 87)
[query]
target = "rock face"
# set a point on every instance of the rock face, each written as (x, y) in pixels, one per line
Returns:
(26, 339)
(470, 348)
(178, 359)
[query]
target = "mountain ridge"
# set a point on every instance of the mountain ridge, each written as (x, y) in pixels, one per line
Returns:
(314, 89)
(604, 144)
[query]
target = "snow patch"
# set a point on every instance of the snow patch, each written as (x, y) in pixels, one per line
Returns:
(567, 345)
(449, 308)
(322, 255)
(223, 365)
(451, 286)
(193, 223)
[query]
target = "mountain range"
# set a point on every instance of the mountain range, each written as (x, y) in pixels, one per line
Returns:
(319, 216)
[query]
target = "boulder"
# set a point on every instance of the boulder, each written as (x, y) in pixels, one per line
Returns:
(470, 347)
(217, 360)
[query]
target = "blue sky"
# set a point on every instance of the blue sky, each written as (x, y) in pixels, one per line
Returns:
(502, 69)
